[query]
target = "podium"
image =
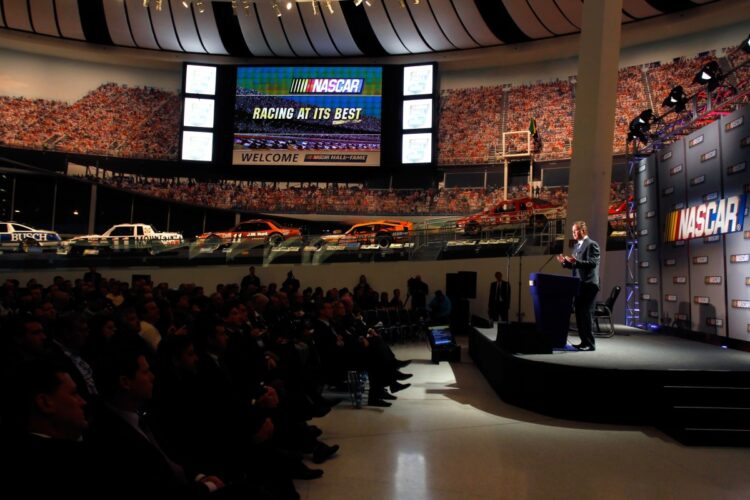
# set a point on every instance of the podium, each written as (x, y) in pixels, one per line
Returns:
(553, 302)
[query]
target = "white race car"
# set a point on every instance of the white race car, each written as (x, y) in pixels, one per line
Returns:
(15, 237)
(124, 238)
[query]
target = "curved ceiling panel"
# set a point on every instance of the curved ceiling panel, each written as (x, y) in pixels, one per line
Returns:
(161, 21)
(140, 25)
(291, 22)
(318, 31)
(472, 19)
(384, 31)
(117, 23)
(525, 19)
(639, 9)
(209, 31)
(69, 19)
(404, 26)
(340, 33)
(273, 30)
(428, 27)
(448, 19)
(386, 27)
(252, 33)
(187, 31)
(17, 15)
(573, 11)
(552, 17)
(43, 17)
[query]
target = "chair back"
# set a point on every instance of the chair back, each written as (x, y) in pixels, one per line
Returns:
(613, 297)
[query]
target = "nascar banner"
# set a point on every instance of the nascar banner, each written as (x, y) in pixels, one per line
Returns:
(711, 218)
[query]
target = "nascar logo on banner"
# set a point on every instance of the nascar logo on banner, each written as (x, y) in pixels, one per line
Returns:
(707, 219)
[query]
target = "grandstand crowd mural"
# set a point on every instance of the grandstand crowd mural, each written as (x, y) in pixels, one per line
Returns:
(137, 121)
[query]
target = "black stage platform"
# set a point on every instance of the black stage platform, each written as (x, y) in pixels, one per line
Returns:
(697, 392)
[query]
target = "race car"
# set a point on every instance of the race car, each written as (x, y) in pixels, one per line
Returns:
(256, 229)
(618, 217)
(124, 238)
(379, 232)
(15, 237)
(532, 212)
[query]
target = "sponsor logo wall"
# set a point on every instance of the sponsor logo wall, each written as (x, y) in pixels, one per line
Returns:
(703, 243)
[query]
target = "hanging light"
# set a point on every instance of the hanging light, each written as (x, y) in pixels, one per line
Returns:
(200, 5)
(676, 99)
(330, 7)
(710, 75)
(640, 126)
(746, 44)
(315, 8)
(145, 3)
(276, 9)
(289, 5)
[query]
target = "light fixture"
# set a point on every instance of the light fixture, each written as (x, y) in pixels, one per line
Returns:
(357, 3)
(330, 7)
(276, 9)
(289, 5)
(145, 3)
(246, 7)
(186, 4)
(315, 8)
(746, 44)
(234, 7)
(710, 75)
(676, 99)
(158, 5)
(640, 126)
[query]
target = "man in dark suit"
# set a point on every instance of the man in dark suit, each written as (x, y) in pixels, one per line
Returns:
(585, 264)
(499, 298)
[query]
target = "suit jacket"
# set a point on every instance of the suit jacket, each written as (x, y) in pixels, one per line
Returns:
(135, 466)
(586, 266)
(504, 295)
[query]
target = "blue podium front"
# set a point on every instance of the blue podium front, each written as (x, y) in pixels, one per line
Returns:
(553, 302)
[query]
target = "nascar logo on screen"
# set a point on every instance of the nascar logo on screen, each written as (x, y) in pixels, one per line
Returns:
(327, 85)
(707, 219)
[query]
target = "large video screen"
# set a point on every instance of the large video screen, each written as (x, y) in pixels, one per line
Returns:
(317, 115)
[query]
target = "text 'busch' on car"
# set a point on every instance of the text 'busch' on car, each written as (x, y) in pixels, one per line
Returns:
(15, 237)
(125, 238)
(257, 229)
(531, 212)
(380, 232)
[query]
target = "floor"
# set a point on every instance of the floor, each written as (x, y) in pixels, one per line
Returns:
(450, 437)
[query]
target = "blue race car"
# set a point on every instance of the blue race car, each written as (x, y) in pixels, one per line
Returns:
(15, 237)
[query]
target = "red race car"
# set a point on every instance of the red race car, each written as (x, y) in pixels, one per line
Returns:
(256, 229)
(533, 212)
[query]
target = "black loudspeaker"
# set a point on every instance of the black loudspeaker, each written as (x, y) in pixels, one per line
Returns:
(453, 285)
(460, 312)
(461, 285)
(468, 283)
(522, 338)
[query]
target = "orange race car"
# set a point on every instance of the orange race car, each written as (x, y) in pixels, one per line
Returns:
(256, 229)
(380, 232)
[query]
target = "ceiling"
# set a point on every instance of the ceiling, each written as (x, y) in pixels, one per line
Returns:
(385, 28)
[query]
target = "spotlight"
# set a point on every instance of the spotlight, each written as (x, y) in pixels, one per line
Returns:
(676, 99)
(330, 7)
(745, 44)
(710, 75)
(186, 4)
(315, 8)
(640, 126)
(145, 3)
(357, 3)
(276, 9)
(289, 6)
(200, 5)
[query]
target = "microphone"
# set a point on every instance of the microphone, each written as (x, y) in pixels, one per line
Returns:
(548, 261)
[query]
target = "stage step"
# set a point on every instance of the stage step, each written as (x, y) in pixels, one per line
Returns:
(713, 414)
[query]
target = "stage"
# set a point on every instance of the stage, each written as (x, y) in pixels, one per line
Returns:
(699, 393)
